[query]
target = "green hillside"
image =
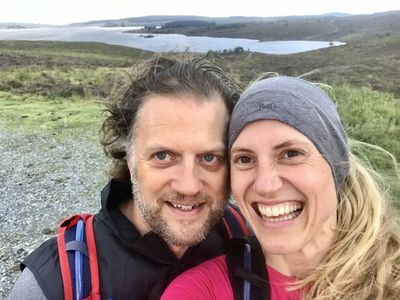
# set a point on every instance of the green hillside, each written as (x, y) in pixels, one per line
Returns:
(352, 28)
(57, 87)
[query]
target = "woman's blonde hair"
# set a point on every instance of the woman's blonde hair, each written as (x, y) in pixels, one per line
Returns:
(364, 260)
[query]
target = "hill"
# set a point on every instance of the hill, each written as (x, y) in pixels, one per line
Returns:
(164, 19)
(13, 25)
(374, 62)
(62, 69)
(353, 28)
(34, 73)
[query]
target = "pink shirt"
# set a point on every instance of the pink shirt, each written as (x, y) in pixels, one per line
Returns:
(210, 281)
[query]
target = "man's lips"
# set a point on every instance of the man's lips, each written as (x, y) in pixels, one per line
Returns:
(184, 207)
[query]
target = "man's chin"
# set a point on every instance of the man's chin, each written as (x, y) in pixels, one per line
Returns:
(186, 240)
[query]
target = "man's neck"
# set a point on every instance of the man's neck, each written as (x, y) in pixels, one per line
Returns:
(132, 212)
(179, 251)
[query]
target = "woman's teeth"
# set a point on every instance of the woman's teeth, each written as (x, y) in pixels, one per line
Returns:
(280, 212)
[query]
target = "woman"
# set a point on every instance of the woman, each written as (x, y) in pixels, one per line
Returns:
(326, 229)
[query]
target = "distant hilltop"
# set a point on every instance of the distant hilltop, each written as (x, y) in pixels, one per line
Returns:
(12, 25)
(162, 20)
(16, 27)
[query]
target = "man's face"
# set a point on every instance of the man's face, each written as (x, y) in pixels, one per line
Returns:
(178, 167)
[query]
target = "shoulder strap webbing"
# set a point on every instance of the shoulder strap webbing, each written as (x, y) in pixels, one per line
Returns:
(234, 223)
(93, 260)
(78, 258)
(247, 271)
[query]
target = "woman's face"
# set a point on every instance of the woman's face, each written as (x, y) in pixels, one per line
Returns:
(284, 188)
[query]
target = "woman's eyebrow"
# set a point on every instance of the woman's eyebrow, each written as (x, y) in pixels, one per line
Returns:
(289, 143)
(239, 149)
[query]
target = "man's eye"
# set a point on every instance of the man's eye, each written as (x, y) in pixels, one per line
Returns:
(162, 155)
(211, 162)
(209, 158)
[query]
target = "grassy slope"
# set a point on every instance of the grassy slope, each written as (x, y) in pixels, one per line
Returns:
(370, 58)
(38, 113)
(55, 87)
(373, 117)
(347, 29)
(375, 64)
(61, 69)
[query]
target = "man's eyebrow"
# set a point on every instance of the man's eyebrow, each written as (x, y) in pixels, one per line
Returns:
(155, 148)
(221, 148)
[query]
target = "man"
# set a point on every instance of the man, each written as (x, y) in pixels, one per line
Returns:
(166, 136)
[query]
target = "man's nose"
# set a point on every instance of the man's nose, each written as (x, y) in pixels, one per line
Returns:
(187, 181)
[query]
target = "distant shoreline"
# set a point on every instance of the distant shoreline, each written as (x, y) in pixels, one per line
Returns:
(163, 42)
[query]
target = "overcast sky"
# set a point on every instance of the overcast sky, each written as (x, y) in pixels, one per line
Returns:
(59, 12)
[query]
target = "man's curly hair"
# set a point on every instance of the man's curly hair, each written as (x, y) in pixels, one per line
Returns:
(161, 75)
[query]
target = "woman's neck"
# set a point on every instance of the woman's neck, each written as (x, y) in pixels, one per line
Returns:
(302, 262)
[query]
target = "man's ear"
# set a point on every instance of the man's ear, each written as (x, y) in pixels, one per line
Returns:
(130, 157)
(128, 160)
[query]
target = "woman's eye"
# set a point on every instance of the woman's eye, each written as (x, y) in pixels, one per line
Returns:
(292, 154)
(243, 160)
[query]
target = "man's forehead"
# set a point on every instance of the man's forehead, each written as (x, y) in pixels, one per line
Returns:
(171, 124)
(164, 110)
(164, 135)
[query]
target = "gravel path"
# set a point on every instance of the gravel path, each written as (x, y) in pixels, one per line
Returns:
(43, 178)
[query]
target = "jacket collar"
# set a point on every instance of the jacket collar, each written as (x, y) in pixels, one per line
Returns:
(149, 245)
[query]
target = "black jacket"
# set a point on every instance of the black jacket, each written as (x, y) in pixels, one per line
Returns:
(130, 266)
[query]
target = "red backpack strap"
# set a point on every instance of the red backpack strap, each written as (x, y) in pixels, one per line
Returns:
(235, 224)
(66, 271)
(94, 266)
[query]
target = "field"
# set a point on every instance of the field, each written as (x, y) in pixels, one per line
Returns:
(58, 87)
(51, 107)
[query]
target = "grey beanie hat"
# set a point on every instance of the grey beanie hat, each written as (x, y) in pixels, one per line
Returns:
(301, 105)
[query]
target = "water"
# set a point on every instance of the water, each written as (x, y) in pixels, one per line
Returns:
(160, 42)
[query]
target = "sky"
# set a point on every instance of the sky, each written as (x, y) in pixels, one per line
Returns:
(59, 12)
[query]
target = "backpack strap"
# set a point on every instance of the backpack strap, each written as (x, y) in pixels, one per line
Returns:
(93, 260)
(247, 271)
(78, 258)
(234, 223)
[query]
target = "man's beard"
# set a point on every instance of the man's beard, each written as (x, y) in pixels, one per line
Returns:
(185, 235)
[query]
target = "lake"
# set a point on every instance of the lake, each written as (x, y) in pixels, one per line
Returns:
(160, 42)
